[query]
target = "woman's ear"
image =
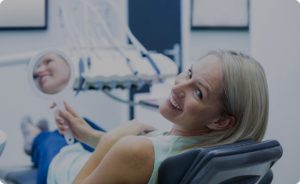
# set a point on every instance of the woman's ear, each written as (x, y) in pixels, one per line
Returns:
(222, 123)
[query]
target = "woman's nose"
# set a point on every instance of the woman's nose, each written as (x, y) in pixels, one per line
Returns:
(180, 87)
(38, 71)
(40, 68)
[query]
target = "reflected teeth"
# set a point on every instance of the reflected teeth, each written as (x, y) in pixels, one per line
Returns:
(43, 78)
(175, 104)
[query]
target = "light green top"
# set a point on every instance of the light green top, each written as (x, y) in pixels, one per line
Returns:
(168, 145)
(68, 162)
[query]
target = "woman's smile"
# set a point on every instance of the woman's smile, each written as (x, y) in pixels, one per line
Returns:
(174, 104)
(43, 77)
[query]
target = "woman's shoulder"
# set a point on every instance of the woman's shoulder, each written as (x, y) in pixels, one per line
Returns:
(136, 145)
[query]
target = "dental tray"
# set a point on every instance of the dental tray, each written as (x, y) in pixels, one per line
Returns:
(113, 72)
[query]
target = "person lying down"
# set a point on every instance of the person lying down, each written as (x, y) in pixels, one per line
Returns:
(222, 98)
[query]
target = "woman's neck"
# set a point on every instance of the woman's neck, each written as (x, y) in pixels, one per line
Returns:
(184, 132)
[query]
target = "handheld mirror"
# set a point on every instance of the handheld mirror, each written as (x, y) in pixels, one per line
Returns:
(50, 75)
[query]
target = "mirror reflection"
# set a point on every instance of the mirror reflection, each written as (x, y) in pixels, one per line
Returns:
(51, 73)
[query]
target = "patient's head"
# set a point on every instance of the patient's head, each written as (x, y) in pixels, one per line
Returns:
(223, 95)
(245, 95)
(52, 73)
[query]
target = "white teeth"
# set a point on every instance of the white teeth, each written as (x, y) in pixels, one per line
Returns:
(173, 102)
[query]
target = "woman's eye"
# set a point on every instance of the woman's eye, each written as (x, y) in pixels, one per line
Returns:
(49, 61)
(199, 94)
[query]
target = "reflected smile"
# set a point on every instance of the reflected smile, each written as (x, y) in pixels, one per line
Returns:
(44, 78)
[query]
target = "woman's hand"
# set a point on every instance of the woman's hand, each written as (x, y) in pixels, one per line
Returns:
(82, 131)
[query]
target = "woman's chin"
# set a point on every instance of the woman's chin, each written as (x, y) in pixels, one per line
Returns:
(49, 89)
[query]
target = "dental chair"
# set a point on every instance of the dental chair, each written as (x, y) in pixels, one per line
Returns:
(244, 162)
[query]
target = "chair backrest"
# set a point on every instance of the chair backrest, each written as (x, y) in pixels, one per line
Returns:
(242, 162)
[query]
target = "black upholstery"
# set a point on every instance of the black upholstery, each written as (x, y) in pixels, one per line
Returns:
(244, 162)
(267, 178)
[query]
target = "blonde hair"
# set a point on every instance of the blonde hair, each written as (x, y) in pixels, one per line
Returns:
(245, 97)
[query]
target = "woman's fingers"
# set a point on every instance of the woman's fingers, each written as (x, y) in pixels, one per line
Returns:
(66, 119)
(60, 123)
(66, 115)
(61, 128)
(71, 110)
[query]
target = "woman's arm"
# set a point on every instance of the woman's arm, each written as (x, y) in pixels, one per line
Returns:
(85, 133)
(129, 160)
(107, 142)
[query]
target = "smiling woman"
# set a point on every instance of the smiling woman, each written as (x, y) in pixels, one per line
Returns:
(51, 73)
(222, 98)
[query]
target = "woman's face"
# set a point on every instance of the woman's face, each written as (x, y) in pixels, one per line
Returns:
(195, 98)
(52, 73)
